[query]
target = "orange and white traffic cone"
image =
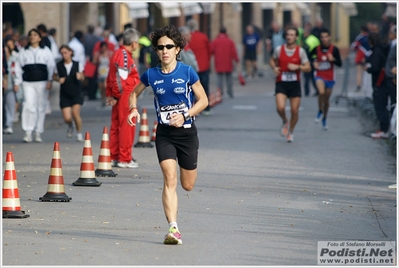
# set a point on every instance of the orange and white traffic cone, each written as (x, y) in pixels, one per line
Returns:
(104, 168)
(11, 202)
(87, 175)
(154, 131)
(56, 188)
(144, 134)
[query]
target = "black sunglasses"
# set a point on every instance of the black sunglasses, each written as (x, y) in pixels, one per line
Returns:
(168, 46)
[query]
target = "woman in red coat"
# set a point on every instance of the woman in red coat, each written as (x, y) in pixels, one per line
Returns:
(225, 53)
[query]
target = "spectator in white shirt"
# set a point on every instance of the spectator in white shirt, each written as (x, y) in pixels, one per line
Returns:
(78, 49)
(54, 47)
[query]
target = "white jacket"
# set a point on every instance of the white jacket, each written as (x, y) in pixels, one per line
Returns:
(34, 64)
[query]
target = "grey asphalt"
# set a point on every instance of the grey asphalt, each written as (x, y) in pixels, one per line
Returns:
(258, 200)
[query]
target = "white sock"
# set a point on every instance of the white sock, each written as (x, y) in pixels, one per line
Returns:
(173, 224)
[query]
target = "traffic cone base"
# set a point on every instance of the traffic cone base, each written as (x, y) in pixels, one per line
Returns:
(86, 182)
(144, 134)
(105, 173)
(55, 188)
(10, 200)
(104, 168)
(55, 197)
(87, 175)
(15, 215)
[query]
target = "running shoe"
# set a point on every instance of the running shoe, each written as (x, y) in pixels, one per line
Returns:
(131, 164)
(290, 137)
(38, 138)
(206, 113)
(8, 131)
(318, 117)
(380, 135)
(16, 117)
(70, 131)
(28, 137)
(114, 163)
(324, 123)
(79, 137)
(173, 237)
(284, 129)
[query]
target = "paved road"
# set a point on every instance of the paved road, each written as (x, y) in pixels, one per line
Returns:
(258, 199)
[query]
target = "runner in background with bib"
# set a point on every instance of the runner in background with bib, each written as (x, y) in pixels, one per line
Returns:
(287, 61)
(325, 56)
(174, 85)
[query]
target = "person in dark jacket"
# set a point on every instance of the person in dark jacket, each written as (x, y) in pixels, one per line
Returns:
(375, 63)
(70, 75)
(387, 91)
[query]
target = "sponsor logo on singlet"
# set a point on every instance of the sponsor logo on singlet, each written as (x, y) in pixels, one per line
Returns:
(173, 107)
(160, 91)
(179, 90)
(177, 81)
(158, 82)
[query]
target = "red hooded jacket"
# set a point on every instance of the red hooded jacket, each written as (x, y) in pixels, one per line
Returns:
(201, 47)
(224, 51)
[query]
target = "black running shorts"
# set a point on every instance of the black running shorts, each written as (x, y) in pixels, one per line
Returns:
(290, 89)
(181, 143)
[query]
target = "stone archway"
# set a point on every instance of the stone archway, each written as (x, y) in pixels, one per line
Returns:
(12, 14)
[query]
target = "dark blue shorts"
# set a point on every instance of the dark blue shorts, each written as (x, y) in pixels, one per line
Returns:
(329, 84)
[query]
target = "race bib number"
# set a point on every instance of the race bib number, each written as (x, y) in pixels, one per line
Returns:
(288, 76)
(168, 110)
(324, 65)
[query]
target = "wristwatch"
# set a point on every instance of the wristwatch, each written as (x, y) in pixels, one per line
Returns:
(187, 116)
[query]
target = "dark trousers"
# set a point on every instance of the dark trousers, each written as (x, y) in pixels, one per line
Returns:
(91, 88)
(380, 98)
(309, 79)
(204, 79)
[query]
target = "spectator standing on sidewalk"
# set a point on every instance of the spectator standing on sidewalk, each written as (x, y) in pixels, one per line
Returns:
(324, 57)
(34, 71)
(201, 47)
(90, 39)
(274, 37)
(174, 84)
(361, 46)
(186, 54)
(9, 94)
(77, 47)
(43, 32)
(102, 59)
(122, 78)
(319, 24)
(225, 53)
(310, 43)
(70, 76)
(54, 47)
(287, 62)
(251, 41)
(46, 41)
(387, 91)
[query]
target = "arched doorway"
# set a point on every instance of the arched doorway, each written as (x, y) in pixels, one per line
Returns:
(12, 14)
